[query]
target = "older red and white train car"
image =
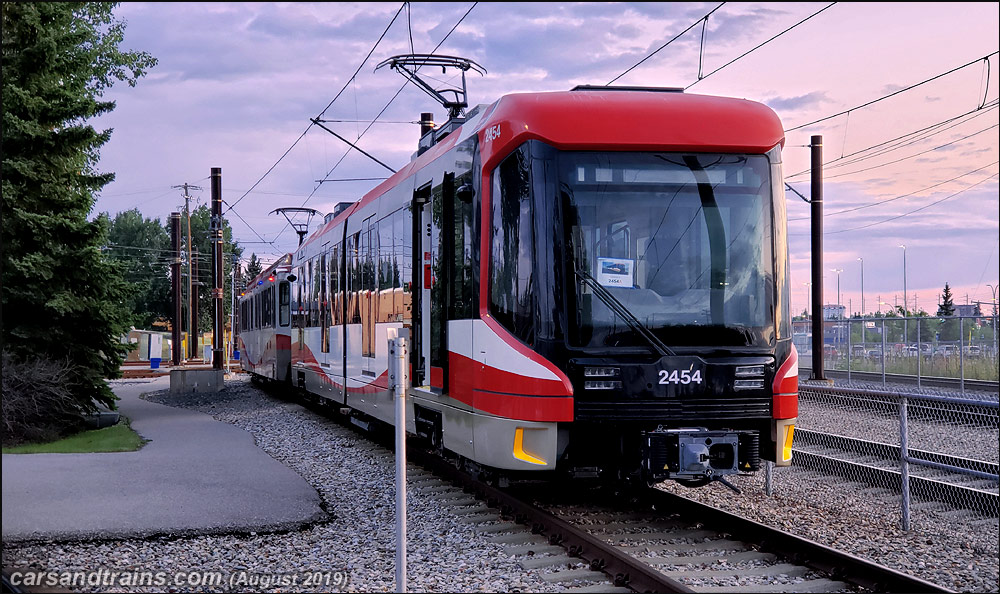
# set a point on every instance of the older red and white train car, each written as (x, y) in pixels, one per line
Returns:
(594, 281)
(265, 323)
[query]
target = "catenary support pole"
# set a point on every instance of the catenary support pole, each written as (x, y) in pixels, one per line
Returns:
(218, 319)
(816, 209)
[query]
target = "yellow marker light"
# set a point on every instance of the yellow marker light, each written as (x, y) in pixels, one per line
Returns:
(786, 452)
(519, 452)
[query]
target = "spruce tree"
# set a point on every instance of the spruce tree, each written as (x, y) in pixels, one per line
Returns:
(949, 327)
(62, 296)
(254, 267)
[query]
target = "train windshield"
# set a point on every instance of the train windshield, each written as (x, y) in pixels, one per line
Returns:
(680, 243)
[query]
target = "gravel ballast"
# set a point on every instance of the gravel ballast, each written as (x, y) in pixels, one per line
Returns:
(355, 479)
(354, 476)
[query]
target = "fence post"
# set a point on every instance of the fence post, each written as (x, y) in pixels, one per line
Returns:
(397, 372)
(904, 463)
(920, 353)
(883, 350)
(961, 353)
(850, 348)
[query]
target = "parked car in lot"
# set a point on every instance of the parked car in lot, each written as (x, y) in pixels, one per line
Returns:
(973, 351)
(946, 350)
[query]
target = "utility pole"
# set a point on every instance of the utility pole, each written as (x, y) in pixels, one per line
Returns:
(187, 211)
(195, 334)
(175, 277)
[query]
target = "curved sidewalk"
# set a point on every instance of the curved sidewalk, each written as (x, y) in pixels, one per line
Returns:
(196, 475)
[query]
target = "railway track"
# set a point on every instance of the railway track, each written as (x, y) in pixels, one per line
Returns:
(960, 482)
(654, 541)
(911, 380)
(939, 409)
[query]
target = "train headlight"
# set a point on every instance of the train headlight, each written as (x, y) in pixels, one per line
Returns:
(602, 378)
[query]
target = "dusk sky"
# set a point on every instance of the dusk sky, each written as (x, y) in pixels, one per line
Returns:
(237, 84)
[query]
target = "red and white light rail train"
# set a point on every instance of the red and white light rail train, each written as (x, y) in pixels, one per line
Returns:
(594, 281)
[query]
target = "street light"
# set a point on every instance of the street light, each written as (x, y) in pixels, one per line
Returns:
(808, 285)
(905, 305)
(862, 260)
(838, 271)
(906, 333)
(993, 291)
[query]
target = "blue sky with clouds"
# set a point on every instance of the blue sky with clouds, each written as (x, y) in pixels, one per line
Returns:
(237, 84)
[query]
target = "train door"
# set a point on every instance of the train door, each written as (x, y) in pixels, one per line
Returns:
(421, 285)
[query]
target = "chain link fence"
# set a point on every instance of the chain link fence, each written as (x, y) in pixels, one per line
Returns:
(915, 452)
(959, 347)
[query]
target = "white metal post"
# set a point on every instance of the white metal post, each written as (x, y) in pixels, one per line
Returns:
(397, 379)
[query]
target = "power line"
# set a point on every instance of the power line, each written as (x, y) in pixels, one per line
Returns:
(907, 139)
(913, 155)
(829, 214)
(701, 78)
(268, 172)
(893, 94)
(703, 20)
(365, 131)
(925, 207)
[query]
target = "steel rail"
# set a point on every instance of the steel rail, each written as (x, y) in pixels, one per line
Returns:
(623, 569)
(891, 453)
(837, 564)
(927, 381)
(925, 488)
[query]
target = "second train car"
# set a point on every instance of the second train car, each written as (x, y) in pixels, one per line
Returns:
(594, 281)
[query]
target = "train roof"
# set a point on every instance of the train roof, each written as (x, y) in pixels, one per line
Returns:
(282, 264)
(602, 118)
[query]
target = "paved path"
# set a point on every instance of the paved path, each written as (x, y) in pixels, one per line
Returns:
(196, 475)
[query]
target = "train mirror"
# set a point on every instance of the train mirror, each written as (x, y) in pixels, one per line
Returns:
(465, 193)
(291, 278)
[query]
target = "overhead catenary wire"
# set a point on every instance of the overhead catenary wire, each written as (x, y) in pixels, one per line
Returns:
(905, 214)
(304, 132)
(375, 119)
(894, 198)
(945, 145)
(903, 140)
(744, 54)
(893, 94)
(703, 19)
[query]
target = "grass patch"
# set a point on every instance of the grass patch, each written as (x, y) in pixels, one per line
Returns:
(117, 438)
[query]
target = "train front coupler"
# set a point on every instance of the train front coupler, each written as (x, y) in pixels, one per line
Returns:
(695, 456)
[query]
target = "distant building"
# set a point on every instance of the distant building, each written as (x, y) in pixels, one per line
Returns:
(834, 312)
(968, 310)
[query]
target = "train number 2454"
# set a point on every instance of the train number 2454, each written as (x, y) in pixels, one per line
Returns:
(684, 376)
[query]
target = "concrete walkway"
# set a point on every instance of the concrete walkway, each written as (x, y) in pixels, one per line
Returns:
(196, 475)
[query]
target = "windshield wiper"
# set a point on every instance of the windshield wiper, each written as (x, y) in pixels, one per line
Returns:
(619, 308)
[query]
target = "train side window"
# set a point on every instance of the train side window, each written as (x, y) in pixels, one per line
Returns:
(402, 231)
(324, 306)
(315, 295)
(284, 303)
(369, 302)
(353, 280)
(512, 299)
(336, 286)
